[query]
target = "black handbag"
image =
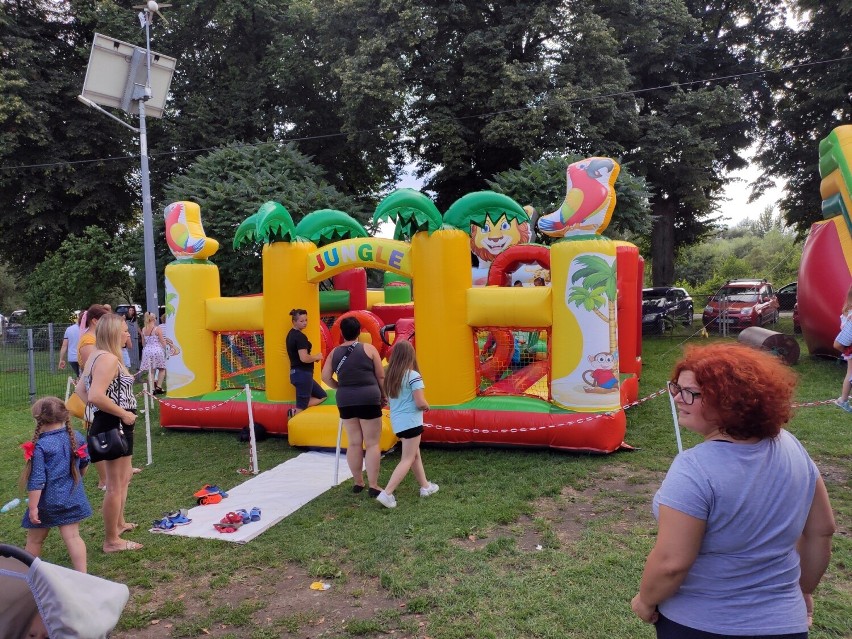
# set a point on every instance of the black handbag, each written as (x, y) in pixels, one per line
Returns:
(110, 444)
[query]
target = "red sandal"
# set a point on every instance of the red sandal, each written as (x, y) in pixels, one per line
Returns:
(229, 527)
(232, 518)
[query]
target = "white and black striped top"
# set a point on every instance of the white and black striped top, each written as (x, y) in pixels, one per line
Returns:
(120, 389)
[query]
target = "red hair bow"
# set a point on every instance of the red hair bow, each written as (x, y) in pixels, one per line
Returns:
(82, 452)
(29, 449)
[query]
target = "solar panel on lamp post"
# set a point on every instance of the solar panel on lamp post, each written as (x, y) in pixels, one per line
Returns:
(135, 80)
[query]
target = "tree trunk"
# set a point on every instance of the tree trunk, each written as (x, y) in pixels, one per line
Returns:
(662, 243)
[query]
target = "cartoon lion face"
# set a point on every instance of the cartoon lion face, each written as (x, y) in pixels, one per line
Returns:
(495, 237)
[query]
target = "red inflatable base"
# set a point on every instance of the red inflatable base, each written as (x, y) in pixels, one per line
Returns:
(215, 415)
(593, 433)
(578, 432)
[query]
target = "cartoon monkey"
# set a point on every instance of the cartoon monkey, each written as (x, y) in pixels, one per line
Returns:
(601, 377)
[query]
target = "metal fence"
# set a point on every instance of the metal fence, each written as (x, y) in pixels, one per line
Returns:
(29, 364)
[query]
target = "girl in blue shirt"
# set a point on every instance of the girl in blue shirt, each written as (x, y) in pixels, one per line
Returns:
(56, 459)
(404, 388)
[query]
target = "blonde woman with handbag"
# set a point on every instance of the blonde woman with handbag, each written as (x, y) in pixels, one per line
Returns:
(107, 389)
(85, 347)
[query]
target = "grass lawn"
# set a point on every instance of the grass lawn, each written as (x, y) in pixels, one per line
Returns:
(516, 544)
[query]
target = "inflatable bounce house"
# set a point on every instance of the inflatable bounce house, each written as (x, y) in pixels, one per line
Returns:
(534, 346)
(825, 273)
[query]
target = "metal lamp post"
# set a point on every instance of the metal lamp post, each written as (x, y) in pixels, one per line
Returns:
(121, 75)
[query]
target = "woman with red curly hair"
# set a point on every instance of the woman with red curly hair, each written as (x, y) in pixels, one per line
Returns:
(744, 520)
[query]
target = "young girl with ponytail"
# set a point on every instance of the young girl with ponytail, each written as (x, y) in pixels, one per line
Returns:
(56, 459)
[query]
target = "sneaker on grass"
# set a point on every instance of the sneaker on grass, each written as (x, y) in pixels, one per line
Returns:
(844, 405)
(388, 501)
(431, 489)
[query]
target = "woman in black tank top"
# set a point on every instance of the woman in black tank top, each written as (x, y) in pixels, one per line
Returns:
(107, 388)
(360, 395)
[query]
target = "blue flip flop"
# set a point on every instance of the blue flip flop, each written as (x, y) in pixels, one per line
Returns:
(242, 512)
(254, 513)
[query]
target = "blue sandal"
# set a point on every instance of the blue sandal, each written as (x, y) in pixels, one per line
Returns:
(178, 518)
(163, 525)
(242, 512)
(254, 513)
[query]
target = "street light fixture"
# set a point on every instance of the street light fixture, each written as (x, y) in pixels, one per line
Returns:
(135, 80)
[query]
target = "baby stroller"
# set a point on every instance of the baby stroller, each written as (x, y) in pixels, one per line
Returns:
(38, 599)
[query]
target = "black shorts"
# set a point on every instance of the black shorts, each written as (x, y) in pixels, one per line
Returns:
(363, 411)
(410, 433)
(306, 387)
(102, 423)
(668, 629)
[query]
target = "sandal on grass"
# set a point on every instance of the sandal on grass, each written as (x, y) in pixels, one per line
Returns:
(127, 545)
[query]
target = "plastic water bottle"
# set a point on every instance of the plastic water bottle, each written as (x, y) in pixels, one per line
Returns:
(10, 505)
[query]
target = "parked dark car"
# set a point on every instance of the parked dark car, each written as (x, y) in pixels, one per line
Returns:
(787, 296)
(742, 303)
(664, 305)
(15, 327)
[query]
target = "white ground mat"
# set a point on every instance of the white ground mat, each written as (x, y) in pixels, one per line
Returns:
(277, 492)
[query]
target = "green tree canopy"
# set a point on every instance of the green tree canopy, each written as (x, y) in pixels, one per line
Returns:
(465, 90)
(810, 101)
(86, 269)
(685, 139)
(43, 53)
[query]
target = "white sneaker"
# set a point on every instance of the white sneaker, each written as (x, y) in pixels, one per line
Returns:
(389, 501)
(431, 489)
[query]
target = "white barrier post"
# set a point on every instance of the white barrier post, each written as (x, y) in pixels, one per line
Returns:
(337, 451)
(676, 424)
(68, 388)
(252, 440)
(148, 403)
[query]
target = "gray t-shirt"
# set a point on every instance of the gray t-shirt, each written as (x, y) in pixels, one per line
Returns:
(755, 499)
(72, 334)
(357, 383)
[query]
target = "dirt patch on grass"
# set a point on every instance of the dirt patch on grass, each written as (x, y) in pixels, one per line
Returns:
(251, 604)
(259, 603)
(617, 496)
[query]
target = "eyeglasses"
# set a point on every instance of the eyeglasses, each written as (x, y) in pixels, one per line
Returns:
(688, 396)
